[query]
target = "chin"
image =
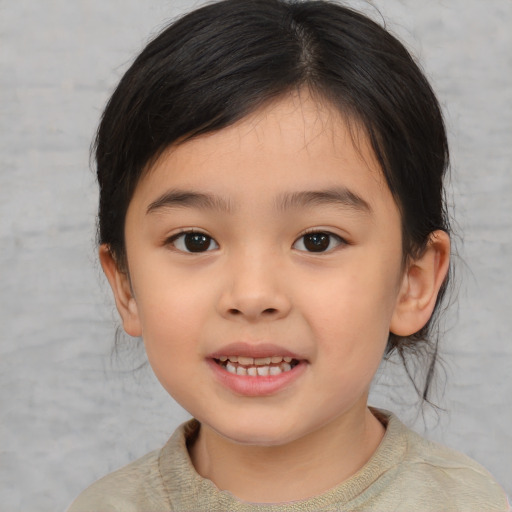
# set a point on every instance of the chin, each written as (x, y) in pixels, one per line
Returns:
(258, 439)
(253, 434)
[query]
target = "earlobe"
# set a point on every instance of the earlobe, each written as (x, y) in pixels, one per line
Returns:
(420, 286)
(121, 288)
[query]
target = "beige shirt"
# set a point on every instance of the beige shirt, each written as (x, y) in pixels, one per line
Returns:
(406, 473)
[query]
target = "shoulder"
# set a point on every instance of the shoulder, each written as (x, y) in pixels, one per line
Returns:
(433, 471)
(162, 480)
(137, 486)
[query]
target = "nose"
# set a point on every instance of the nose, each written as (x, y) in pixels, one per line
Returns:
(254, 289)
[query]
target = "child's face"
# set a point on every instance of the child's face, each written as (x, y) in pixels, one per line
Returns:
(297, 254)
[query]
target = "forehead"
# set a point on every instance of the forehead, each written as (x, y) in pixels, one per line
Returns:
(294, 144)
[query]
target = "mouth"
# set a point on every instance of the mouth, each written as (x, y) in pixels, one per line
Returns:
(257, 370)
(256, 366)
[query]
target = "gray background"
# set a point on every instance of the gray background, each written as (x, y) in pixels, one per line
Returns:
(70, 412)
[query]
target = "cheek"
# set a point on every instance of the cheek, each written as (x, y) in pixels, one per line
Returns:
(351, 313)
(172, 313)
(171, 328)
(167, 297)
(357, 296)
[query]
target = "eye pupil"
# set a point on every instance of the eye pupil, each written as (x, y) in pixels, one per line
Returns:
(197, 242)
(316, 242)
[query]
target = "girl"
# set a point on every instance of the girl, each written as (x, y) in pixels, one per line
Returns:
(272, 224)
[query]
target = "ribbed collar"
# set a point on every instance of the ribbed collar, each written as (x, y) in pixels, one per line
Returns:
(190, 491)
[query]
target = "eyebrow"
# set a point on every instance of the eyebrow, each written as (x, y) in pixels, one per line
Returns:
(189, 199)
(340, 196)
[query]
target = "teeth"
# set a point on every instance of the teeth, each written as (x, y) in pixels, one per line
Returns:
(263, 371)
(263, 361)
(258, 361)
(253, 367)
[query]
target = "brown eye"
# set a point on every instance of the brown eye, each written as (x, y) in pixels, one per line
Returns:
(194, 241)
(317, 242)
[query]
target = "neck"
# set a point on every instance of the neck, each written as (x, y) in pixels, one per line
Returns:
(298, 470)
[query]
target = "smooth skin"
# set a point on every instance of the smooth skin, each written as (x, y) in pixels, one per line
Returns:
(296, 242)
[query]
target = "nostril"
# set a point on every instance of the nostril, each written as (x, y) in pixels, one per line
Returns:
(268, 311)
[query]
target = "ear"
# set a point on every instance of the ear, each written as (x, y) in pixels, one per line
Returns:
(420, 286)
(121, 287)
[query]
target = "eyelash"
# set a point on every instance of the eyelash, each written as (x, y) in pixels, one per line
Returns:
(339, 241)
(181, 237)
(322, 237)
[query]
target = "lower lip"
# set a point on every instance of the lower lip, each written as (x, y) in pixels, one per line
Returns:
(256, 386)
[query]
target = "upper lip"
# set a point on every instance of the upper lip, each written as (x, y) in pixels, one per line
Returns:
(254, 350)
